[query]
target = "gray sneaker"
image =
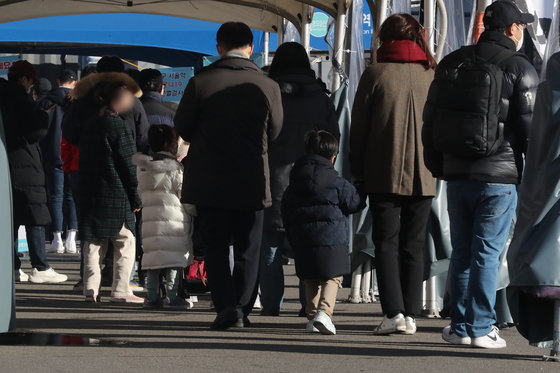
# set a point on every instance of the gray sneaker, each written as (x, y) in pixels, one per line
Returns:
(449, 335)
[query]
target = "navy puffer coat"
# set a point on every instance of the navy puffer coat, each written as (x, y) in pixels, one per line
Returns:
(315, 210)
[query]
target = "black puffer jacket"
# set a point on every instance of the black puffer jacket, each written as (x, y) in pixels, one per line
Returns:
(24, 127)
(57, 101)
(315, 209)
(518, 98)
(306, 107)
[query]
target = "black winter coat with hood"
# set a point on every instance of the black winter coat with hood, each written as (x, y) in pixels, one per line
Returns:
(306, 107)
(518, 97)
(315, 210)
(25, 126)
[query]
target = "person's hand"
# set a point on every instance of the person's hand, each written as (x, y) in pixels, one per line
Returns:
(50, 109)
(136, 210)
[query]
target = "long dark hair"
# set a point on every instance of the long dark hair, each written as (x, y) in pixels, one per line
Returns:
(289, 56)
(403, 26)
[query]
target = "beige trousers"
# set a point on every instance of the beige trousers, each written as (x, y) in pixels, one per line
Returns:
(124, 252)
(321, 296)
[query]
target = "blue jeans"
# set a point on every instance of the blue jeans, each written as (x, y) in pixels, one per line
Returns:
(271, 271)
(36, 245)
(481, 215)
(60, 200)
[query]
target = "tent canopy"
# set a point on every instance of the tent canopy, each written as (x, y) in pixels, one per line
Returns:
(264, 15)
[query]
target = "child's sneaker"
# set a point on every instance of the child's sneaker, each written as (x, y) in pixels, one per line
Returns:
(410, 325)
(128, 299)
(93, 299)
(490, 340)
(324, 324)
(310, 328)
(396, 324)
(177, 304)
(153, 304)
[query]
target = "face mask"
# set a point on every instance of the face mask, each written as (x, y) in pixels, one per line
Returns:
(520, 41)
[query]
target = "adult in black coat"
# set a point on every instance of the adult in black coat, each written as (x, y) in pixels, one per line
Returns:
(60, 200)
(157, 110)
(24, 126)
(307, 107)
(229, 114)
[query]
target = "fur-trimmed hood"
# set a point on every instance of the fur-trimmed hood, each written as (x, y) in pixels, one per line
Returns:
(91, 81)
(156, 165)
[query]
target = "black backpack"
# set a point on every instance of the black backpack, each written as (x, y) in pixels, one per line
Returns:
(467, 121)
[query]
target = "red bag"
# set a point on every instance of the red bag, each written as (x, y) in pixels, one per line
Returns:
(196, 272)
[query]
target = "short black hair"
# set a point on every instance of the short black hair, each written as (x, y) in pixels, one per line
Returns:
(151, 80)
(110, 64)
(159, 135)
(67, 76)
(134, 74)
(234, 35)
(321, 143)
(288, 57)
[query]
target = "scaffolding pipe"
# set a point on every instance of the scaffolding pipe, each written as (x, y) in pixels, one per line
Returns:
(339, 34)
(555, 352)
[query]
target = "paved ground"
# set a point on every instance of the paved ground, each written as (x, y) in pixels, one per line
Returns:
(134, 340)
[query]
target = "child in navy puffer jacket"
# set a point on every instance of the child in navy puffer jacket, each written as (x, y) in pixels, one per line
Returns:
(315, 210)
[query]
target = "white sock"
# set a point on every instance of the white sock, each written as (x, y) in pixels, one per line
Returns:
(57, 237)
(71, 235)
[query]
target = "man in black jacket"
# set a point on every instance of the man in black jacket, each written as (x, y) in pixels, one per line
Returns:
(25, 125)
(482, 195)
(60, 201)
(157, 110)
(229, 114)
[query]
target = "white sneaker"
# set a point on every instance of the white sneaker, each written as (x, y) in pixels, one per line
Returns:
(448, 335)
(490, 340)
(396, 324)
(56, 247)
(310, 328)
(70, 247)
(410, 325)
(50, 276)
(21, 276)
(128, 299)
(324, 324)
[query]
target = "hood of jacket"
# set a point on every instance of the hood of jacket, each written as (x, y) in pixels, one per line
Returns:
(300, 82)
(312, 173)
(159, 163)
(90, 82)
(58, 96)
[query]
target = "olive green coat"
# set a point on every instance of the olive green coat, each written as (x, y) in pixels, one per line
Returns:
(386, 149)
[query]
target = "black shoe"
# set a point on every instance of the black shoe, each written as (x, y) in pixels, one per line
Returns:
(302, 312)
(225, 320)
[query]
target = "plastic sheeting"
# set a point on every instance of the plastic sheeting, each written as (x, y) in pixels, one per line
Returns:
(355, 60)
(534, 254)
(456, 37)
(398, 6)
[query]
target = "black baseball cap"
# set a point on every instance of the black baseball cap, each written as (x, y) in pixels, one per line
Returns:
(504, 13)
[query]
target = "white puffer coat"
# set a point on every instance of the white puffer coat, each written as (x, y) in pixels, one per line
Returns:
(166, 223)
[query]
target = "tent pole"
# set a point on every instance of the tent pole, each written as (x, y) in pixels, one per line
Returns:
(339, 34)
(478, 25)
(281, 33)
(306, 28)
(555, 352)
(266, 48)
(429, 23)
(442, 29)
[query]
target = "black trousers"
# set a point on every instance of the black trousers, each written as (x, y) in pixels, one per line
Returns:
(232, 291)
(399, 235)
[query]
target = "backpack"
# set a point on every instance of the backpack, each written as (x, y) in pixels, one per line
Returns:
(195, 276)
(467, 121)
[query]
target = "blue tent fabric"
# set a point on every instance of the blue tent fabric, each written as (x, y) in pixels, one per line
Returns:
(120, 29)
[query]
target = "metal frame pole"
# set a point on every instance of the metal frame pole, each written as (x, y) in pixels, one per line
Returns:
(339, 35)
(266, 48)
(307, 17)
(429, 23)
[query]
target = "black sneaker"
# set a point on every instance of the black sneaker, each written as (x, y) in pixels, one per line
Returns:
(225, 320)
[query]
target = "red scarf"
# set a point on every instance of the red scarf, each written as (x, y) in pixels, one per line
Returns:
(401, 51)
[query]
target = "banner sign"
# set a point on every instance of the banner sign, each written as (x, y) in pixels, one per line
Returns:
(175, 80)
(6, 62)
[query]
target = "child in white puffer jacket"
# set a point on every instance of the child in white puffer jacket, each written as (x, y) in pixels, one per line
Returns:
(167, 224)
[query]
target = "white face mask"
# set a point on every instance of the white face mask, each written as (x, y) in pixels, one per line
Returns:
(520, 41)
